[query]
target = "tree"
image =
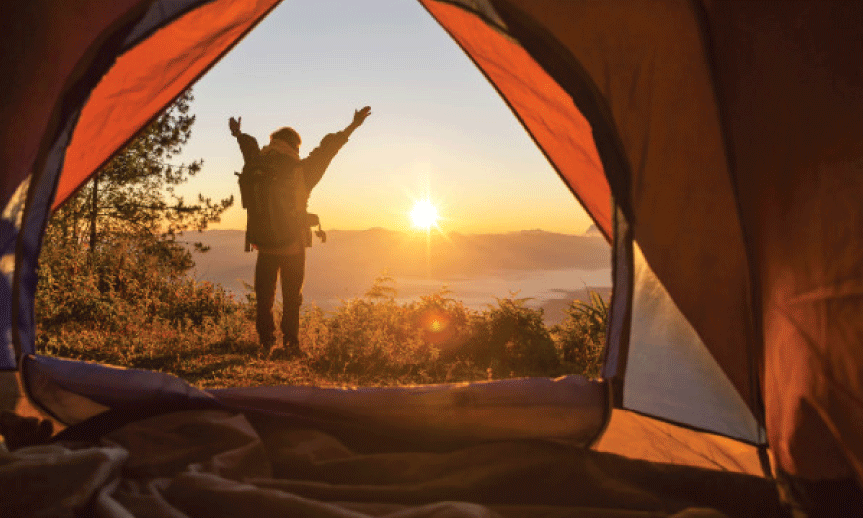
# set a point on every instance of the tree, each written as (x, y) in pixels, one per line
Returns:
(110, 250)
(134, 194)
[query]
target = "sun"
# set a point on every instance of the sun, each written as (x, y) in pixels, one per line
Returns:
(424, 215)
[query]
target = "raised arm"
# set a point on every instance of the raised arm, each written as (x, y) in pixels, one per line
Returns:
(248, 144)
(319, 159)
(359, 117)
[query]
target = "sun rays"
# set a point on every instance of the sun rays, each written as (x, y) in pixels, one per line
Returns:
(425, 216)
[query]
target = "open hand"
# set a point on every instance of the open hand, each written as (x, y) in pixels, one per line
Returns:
(361, 114)
(234, 125)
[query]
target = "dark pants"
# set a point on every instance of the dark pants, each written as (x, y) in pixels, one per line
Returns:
(267, 269)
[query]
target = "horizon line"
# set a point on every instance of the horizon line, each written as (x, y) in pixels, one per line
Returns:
(588, 233)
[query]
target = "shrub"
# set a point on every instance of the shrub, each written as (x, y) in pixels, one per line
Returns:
(371, 339)
(196, 301)
(125, 280)
(580, 338)
(442, 320)
(512, 340)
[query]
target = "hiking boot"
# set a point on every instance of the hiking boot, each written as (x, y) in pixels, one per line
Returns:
(266, 348)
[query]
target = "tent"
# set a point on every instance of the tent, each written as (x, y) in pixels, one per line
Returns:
(716, 144)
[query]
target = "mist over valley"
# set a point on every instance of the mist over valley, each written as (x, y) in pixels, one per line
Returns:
(549, 268)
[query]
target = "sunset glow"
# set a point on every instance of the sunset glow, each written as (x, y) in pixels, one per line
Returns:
(424, 215)
(415, 146)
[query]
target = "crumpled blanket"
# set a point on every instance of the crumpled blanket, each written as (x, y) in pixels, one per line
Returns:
(217, 464)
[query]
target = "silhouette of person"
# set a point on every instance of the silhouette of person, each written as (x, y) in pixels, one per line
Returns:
(288, 261)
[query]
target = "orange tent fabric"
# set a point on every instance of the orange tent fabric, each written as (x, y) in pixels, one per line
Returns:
(543, 107)
(790, 80)
(50, 46)
(148, 77)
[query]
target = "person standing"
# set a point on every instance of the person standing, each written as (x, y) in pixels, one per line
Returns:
(276, 198)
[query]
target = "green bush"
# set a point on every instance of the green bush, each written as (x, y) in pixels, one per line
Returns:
(512, 340)
(580, 337)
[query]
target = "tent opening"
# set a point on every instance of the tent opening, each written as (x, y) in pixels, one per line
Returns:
(411, 298)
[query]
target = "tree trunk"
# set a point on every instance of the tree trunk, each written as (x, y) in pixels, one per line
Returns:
(94, 210)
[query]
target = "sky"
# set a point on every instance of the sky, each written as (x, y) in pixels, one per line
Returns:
(437, 129)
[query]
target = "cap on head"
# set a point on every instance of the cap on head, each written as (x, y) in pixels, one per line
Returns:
(288, 135)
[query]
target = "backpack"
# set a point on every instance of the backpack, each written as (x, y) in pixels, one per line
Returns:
(275, 204)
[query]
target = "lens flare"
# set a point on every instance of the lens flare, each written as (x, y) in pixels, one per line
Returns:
(436, 326)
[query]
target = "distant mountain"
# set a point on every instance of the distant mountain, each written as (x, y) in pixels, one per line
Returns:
(477, 264)
(592, 231)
